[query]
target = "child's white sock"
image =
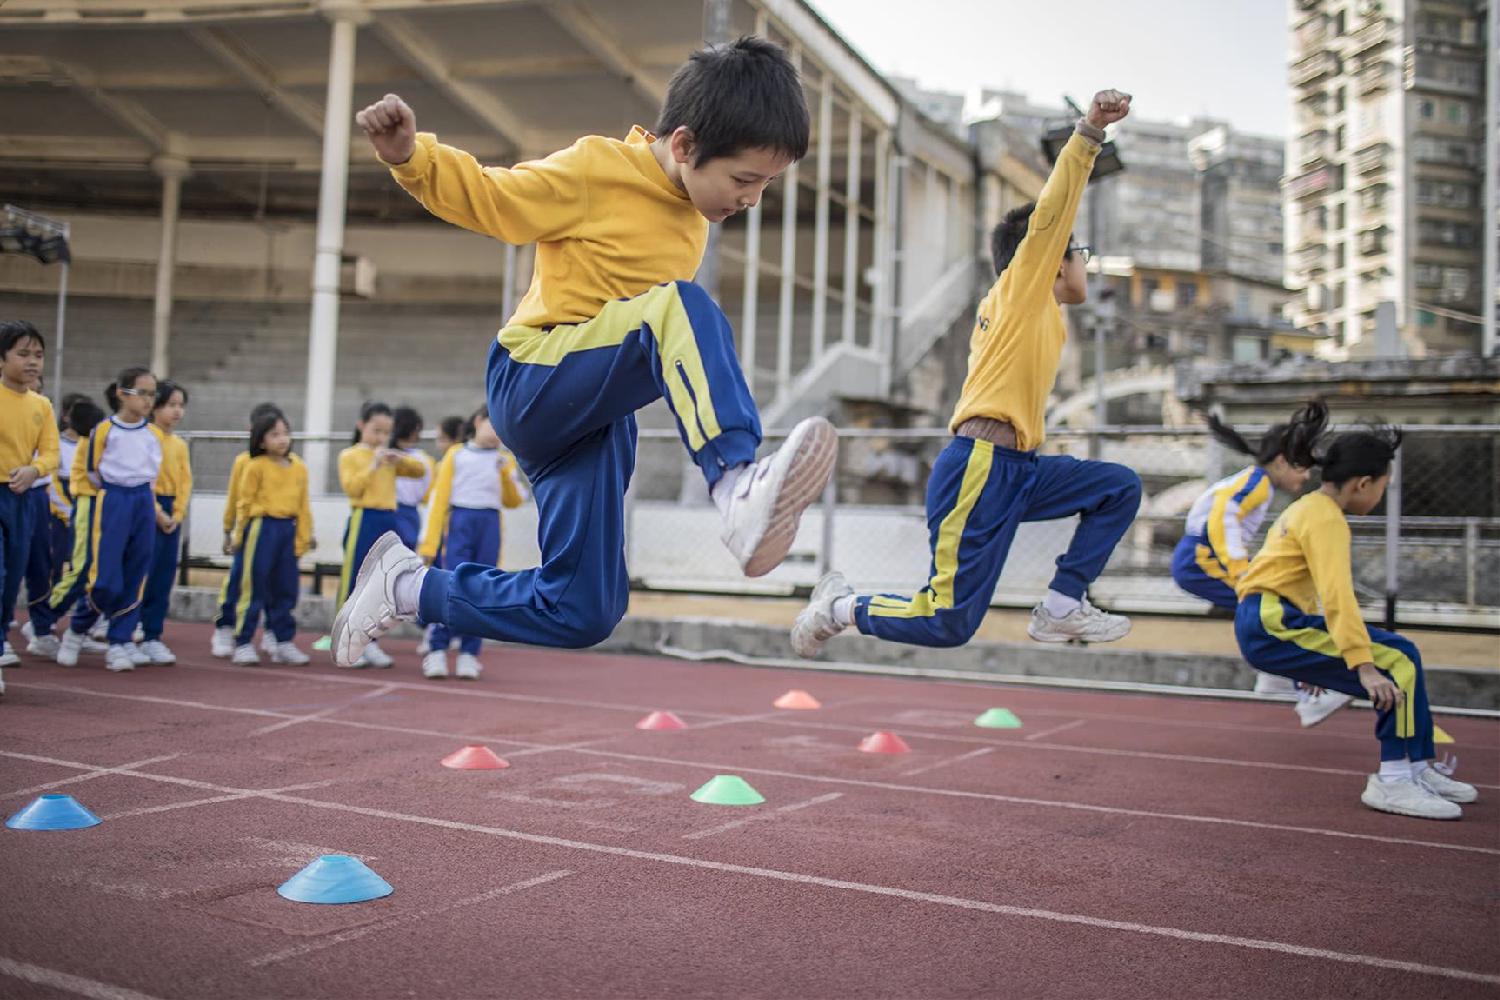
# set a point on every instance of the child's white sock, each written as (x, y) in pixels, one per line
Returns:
(724, 488)
(1060, 605)
(409, 590)
(1395, 770)
(843, 610)
(1417, 767)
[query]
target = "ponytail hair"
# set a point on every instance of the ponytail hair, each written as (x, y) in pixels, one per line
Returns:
(1361, 453)
(1294, 440)
(125, 380)
(371, 408)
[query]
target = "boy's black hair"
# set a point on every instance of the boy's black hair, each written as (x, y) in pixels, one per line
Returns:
(125, 380)
(744, 95)
(164, 390)
(1295, 439)
(452, 428)
(13, 331)
(263, 426)
(1006, 238)
(84, 415)
(1361, 453)
(405, 423)
(372, 408)
(64, 408)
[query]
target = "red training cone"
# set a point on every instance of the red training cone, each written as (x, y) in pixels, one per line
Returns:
(797, 699)
(883, 742)
(474, 757)
(661, 720)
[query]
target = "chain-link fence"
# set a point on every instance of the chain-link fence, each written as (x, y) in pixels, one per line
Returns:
(1430, 554)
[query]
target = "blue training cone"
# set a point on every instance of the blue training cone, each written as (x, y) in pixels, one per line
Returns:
(335, 878)
(53, 812)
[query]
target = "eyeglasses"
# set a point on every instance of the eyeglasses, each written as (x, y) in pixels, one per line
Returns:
(133, 392)
(1085, 251)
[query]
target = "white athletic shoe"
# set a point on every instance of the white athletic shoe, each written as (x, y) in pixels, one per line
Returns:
(815, 623)
(370, 611)
(68, 648)
(1441, 785)
(1084, 623)
(770, 495)
(468, 667)
(8, 657)
(268, 642)
(376, 657)
(99, 631)
(139, 634)
(288, 653)
(44, 646)
(120, 658)
(92, 645)
(435, 665)
(222, 644)
(28, 631)
(245, 656)
(425, 646)
(1407, 798)
(137, 655)
(157, 653)
(1274, 684)
(1316, 707)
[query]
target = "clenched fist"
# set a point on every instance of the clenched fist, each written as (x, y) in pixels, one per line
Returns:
(1109, 107)
(391, 127)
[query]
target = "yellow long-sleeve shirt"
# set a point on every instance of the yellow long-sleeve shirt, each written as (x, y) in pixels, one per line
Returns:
(232, 497)
(607, 221)
(372, 487)
(79, 483)
(28, 432)
(441, 500)
(1019, 332)
(269, 489)
(1306, 559)
(176, 476)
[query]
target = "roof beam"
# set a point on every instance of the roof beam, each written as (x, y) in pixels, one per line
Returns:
(127, 112)
(232, 53)
(430, 63)
(584, 25)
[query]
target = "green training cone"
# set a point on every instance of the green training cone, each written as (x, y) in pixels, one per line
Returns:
(998, 718)
(728, 790)
(324, 644)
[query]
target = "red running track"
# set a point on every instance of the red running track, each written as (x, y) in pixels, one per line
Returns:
(1116, 845)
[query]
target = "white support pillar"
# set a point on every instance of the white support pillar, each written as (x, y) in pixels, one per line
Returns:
(820, 219)
(750, 307)
(884, 272)
(851, 223)
(322, 348)
(172, 170)
(1491, 228)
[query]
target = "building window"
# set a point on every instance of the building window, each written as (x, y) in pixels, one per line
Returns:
(1339, 217)
(1457, 113)
(1425, 318)
(1338, 101)
(1456, 282)
(1340, 252)
(1187, 293)
(1248, 349)
(1427, 110)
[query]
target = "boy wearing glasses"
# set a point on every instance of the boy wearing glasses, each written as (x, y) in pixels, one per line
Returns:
(989, 478)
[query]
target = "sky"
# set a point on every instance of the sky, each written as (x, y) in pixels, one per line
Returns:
(1179, 58)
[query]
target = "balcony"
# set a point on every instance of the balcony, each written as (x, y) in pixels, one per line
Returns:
(1311, 34)
(1372, 36)
(1316, 67)
(1316, 182)
(1372, 160)
(1310, 258)
(1373, 241)
(1375, 79)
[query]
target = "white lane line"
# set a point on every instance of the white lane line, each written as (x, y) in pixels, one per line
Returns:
(736, 824)
(67, 982)
(379, 692)
(950, 760)
(1181, 934)
(356, 933)
(232, 797)
(87, 777)
(1056, 729)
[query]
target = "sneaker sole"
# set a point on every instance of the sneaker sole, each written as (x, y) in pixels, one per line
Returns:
(1057, 637)
(1308, 723)
(382, 545)
(1408, 812)
(806, 477)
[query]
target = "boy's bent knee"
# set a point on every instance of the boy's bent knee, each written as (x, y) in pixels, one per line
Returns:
(580, 627)
(948, 630)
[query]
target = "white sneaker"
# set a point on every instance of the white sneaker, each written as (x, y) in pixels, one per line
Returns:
(157, 652)
(268, 643)
(137, 655)
(99, 631)
(44, 646)
(245, 656)
(288, 653)
(370, 611)
(120, 658)
(425, 646)
(8, 657)
(1084, 623)
(92, 645)
(1441, 785)
(68, 648)
(222, 644)
(1406, 798)
(468, 667)
(815, 623)
(28, 631)
(1316, 707)
(376, 657)
(435, 665)
(770, 495)
(1274, 684)
(139, 634)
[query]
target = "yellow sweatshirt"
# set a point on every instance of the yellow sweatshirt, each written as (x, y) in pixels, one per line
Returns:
(176, 476)
(607, 221)
(232, 498)
(79, 483)
(1019, 332)
(1306, 559)
(270, 489)
(441, 501)
(374, 487)
(28, 433)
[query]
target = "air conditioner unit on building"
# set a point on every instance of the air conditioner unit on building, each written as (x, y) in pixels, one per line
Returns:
(1163, 300)
(357, 276)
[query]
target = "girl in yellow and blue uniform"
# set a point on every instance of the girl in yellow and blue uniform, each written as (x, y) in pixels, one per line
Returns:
(474, 481)
(273, 530)
(28, 451)
(174, 491)
(226, 625)
(122, 460)
(406, 432)
(1305, 564)
(368, 471)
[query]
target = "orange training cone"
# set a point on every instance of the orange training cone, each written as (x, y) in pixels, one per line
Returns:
(883, 742)
(797, 699)
(474, 757)
(661, 720)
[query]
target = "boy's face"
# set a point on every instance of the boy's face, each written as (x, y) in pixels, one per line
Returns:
(22, 364)
(726, 184)
(1072, 285)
